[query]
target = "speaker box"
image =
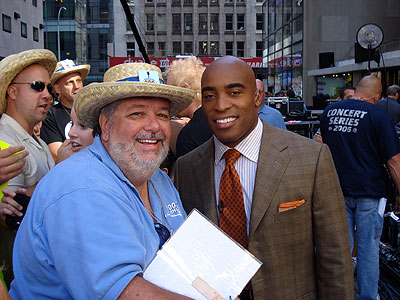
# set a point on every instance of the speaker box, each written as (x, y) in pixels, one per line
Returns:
(326, 60)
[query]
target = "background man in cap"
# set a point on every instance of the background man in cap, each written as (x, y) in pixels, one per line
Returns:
(362, 138)
(67, 81)
(25, 97)
(281, 197)
(98, 219)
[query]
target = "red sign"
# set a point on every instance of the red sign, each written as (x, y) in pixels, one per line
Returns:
(164, 62)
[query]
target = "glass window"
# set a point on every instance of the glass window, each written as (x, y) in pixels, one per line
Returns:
(203, 48)
(228, 1)
(214, 48)
(188, 22)
(130, 49)
(34, 2)
(150, 49)
(240, 1)
(287, 11)
(176, 2)
(278, 14)
(298, 29)
(287, 35)
(278, 39)
(161, 22)
(176, 48)
(176, 22)
(202, 2)
(297, 55)
(24, 30)
(35, 34)
(240, 49)
(259, 49)
(214, 22)
(187, 1)
(150, 22)
(297, 8)
(188, 47)
(213, 2)
(149, 1)
(202, 22)
(271, 16)
(287, 59)
(240, 22)
(229, 48)
(229, 21)
(271, 44)
(6, 23)
(161, 49)
(260, 22)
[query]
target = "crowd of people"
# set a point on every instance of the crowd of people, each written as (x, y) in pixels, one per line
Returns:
(100, 205)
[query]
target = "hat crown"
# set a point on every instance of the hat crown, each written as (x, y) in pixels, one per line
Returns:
(131, 72)
(64, 65)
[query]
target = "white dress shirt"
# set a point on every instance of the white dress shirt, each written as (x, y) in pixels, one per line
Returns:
(246, 166)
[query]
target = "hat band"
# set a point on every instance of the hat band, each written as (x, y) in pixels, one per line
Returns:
(136, 79)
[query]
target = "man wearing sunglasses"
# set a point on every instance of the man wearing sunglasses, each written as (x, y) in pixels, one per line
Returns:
(67, 81)
(25, 97)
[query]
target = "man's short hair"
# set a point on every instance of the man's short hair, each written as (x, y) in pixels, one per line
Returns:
(341, 93)
(108, 111)
(393, 90)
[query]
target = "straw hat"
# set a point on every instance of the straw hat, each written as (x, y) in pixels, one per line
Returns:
(127, 81)
(68, 66)
(13, 64)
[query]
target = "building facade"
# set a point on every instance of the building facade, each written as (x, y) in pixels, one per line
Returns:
(22, 26)
(208, 28)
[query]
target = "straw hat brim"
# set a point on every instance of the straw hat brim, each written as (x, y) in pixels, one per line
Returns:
(13, 64)
(92, 98)
(81, 69)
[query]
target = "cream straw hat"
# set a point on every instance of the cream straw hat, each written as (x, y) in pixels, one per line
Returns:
(13, 64)
(128, 80)
(68, 66)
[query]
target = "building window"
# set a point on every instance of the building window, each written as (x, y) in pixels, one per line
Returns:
(130, 49)
(161, 49)
(203, 48)
(176, 48)
(188, 22)
(240, 49)
(260, 22)
(259, 49)
(6, 23)
(149, 1)
(240, 22)
(229, 48)
(35, 34)
(240, 1)
(202, 22)
(228, 1)
(187, 2)
(161, 22)
(188, 47)
(176, 23)
(214, 22)
(150, 49)
(214, 48)
(24, 30)
(34, 2)
(150, 22)
(176, 2)
(202, 2)
(229, 21)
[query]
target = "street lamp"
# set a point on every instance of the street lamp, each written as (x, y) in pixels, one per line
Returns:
(58, 30)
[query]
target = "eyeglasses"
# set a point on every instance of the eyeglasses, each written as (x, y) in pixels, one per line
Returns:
(163, 233)
(37, 86)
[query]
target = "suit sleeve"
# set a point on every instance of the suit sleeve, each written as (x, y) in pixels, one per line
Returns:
(331, 236)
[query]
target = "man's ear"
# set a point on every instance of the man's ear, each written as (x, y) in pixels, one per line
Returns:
(259, 98)
(105, 128)
(12, 92)
(56, 87)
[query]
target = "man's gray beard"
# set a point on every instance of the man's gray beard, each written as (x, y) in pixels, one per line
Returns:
(136, 168)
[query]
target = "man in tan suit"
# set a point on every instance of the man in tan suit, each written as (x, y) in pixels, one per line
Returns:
(295, 215)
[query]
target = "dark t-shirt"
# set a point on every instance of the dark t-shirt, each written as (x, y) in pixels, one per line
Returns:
(56, 124)
(195, 133)
(362, 138)
(392, 107)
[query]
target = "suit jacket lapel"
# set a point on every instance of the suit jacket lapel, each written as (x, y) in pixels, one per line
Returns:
(203, 170)
(271, 166)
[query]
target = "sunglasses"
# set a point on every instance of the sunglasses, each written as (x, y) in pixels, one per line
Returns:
(37, 86)
(163, 233)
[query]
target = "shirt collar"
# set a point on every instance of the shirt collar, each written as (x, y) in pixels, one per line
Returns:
(19, 131)
(248, 147)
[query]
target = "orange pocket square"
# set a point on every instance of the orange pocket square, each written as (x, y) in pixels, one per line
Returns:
(290, 205)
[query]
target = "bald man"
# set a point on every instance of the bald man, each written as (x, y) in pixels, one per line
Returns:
(291, 208)
(362, 138)
(270, 115)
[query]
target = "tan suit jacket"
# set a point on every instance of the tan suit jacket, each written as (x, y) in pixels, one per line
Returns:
(305, 251)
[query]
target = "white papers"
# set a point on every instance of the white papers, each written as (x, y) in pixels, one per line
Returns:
(200, 249)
